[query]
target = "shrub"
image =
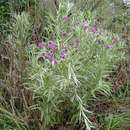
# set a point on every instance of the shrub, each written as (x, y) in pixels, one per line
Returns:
(12, 103)
(70, 68)
(4, 16)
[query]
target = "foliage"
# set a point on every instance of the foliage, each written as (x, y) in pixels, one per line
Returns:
(80, 76)
(114, 122)
(111, 13)
(17, 42)
(4, 15)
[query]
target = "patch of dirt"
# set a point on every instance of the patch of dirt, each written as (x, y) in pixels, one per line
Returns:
(120, 77)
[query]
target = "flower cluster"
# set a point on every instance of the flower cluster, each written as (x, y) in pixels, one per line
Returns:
(52, 53)
(88, 28)
(93, 29)
(56, 54)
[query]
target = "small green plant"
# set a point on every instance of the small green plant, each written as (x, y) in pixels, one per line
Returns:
(117, 122)
(4, 16)
(17, 42)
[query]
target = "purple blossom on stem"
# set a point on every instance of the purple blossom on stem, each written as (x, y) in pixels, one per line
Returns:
(63, 54)
(54, 62)
(52, 45)
(66, 18)
(109, 46)
(85, 25)
(51, 58)
(94, 29)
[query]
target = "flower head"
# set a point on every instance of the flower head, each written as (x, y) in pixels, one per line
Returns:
(50, 56)
(52, 45)
(66, 18)
(94, 29)
(109, 46)
(54, 62)
(63, 53)
(85, 25)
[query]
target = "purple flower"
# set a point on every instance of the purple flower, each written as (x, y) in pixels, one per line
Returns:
(94, 29)
(54, 62)
(63, 54)
(66, 18)
(51, 58)
(85, 25)
(41, 45)
(52, 45)
(109, 46)
(64, 50)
